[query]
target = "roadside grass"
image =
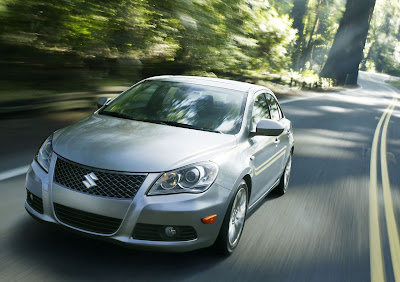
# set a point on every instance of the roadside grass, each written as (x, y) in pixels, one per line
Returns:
(39, 89)
(394, 83)
(286, 83)
(13, 91)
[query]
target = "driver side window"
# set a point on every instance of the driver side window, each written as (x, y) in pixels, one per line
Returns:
(260, 111)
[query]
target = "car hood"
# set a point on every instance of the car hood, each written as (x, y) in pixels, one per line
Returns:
(126, 145)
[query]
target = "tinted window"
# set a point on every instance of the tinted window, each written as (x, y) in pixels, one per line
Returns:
(274, 108)
(200, 106)
(260, 111)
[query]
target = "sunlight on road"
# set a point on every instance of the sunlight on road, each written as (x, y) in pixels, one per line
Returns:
(321, 143)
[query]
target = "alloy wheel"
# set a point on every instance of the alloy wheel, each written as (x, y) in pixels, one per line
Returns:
(286, 176)
(237, 217)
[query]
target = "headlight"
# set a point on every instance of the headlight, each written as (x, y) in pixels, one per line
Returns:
(194, 178)
(43, 156)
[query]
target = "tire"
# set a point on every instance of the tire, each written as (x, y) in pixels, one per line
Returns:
(233, 224)
(281, 189)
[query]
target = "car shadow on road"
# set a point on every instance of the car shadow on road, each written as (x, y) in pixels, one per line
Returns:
(72, 256)
(270, 197)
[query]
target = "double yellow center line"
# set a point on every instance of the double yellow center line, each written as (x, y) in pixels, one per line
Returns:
(376, 257)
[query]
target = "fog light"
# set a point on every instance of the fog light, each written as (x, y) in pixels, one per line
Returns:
(29, 198)
(170, 232)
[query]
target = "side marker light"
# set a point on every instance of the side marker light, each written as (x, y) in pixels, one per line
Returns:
(209, 219)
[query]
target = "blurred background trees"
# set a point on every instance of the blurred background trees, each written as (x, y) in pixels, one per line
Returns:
(80, 43)
(382, 52)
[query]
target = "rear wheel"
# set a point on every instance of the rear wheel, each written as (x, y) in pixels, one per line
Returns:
(284, 181)
(234, 220)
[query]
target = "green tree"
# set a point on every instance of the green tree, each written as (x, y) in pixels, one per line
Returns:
(298, 13)
(383, 48)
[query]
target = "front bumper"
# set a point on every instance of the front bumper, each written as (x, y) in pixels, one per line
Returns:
(163, 210)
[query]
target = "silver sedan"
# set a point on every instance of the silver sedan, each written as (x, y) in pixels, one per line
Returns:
(173, 163)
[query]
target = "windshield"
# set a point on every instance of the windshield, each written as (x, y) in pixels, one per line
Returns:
(181, 104)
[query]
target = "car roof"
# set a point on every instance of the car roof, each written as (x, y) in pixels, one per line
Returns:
(209, 81)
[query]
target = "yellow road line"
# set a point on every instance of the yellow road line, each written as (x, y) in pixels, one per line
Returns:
(388, 202)
(376, 258)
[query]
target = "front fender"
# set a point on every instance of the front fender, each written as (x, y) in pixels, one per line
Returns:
(232, 170)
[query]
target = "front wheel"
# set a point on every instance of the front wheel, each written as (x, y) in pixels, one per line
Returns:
(234, 220)
(284, 181)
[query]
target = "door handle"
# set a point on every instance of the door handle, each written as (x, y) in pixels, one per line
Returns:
(288, 132)
(252, 158)
(277, 140)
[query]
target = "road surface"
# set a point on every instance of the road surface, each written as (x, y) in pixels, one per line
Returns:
(338, 221)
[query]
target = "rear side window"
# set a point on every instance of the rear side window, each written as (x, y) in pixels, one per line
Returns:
(275, 111)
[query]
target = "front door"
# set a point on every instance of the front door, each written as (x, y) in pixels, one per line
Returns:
(266, 152)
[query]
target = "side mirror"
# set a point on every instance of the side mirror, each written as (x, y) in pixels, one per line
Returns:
(102, 101)
(267, 127)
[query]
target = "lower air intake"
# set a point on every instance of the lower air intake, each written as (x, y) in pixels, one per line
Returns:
(87, 221)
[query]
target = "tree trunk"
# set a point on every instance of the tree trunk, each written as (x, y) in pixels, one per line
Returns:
(298, 12)
(347, 49)
(307, 51)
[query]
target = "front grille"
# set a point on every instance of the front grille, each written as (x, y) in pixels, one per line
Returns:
(87, 221)
(108, 184)
(152, 232)
(34, 201)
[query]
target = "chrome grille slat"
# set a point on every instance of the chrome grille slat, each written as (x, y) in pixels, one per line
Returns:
(110, 184)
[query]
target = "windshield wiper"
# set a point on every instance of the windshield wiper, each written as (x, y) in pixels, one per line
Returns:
(155, 121)
(163, 122)
(115, 114)
(178, 124)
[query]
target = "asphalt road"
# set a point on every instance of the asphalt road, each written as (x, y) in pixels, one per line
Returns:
(324, 229)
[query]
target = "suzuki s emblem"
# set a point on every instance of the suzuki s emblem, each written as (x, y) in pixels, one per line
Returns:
(90, 180)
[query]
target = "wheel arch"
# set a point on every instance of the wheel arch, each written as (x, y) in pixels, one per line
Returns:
(247, 179)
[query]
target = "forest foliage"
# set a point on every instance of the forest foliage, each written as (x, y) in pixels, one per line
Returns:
(382, 52)
(138, 38)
